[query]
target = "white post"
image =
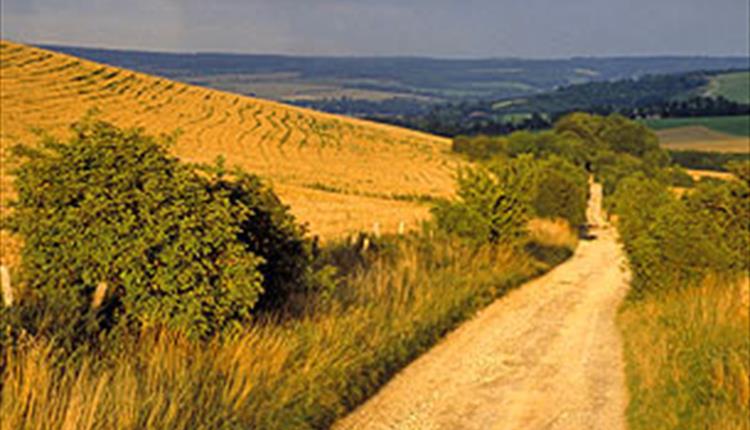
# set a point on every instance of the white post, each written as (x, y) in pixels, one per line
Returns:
(376, 229)
(7, 289)
(401, 228)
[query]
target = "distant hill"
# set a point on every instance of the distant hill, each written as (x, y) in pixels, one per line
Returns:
(338, 174)
(680, 95)
(733, 86)
(376, 79)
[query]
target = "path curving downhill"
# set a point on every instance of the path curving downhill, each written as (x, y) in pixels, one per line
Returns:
(546, 356)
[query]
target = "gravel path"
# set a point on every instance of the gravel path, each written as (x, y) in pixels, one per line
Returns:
(545, 356)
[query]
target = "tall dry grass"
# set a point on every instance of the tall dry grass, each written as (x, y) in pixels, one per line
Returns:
(303, 373)
(553, 232)
(688, 358)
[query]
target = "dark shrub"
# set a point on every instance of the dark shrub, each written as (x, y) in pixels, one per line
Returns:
(561, 191)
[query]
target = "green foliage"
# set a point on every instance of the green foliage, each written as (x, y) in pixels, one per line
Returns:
(611, 168)
(546, 144)
(740, 169)
(267, 229)
(723, 211)
(561, 191)
(676, 176)
(614, 133)
(541, 145)
(706, 160)
(673, 243)
(479, 147)
(496, 200)
(630, 137)
(492, 206)
(173, 247)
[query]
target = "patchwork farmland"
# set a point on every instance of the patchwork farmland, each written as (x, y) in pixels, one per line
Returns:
(339, 175)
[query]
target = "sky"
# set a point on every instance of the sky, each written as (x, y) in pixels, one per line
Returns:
(436, 28)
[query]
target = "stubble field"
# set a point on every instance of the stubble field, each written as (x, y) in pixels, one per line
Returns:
(339, 175)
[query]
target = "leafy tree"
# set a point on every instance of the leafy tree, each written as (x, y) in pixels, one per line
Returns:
(561, 191)
(111, 210)
(587, 128)
(630, 137)
(493, 204)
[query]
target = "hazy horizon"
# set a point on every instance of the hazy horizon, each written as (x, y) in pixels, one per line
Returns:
(363, 56)
(478, 29)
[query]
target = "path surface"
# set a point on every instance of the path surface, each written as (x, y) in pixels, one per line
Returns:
(545, 356)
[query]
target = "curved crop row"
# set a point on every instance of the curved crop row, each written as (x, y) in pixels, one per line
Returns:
(289, 146)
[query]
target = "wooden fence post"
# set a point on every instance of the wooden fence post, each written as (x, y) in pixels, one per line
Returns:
(99, 293)
(6, 287)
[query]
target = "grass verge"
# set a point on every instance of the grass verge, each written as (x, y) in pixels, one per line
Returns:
(298, 373)
(688, 358)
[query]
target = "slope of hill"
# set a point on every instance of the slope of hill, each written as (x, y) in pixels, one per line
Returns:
(733, 86)
(337, 174)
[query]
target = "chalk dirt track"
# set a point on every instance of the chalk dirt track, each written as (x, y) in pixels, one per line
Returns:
(546, 356)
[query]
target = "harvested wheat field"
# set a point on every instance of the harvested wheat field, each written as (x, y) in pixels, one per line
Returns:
(338, 174)
(698, 138)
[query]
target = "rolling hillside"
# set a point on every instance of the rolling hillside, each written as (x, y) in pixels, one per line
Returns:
(733, 86)
(338, 174)
(389, 85)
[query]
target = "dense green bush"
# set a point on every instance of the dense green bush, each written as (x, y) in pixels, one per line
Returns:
(560, 191)
(479, 147)
(612, 147)
(723, 210)
(168, 245)
(676, 176)
(676, 242)
(703, 160)
(496, 200)
(493, 202)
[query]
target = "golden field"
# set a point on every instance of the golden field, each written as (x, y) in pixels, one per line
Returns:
(698, 138)
(339, 175)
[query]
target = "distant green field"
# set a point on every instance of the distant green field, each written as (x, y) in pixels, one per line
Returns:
(733, 86)
(733, 125)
